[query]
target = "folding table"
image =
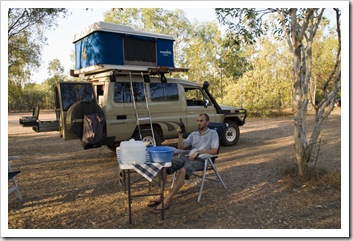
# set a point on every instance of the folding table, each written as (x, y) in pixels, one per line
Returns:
(148, 170)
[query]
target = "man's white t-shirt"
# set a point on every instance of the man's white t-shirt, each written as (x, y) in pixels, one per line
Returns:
(208, 140)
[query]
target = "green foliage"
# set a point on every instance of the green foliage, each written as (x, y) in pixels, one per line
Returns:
(55, 73)
(300, 27)
(258, 77)
(26, 27)
(234, 60)
(244, 24)
(14, 95)
(267, 85)
(324, 54)
(201, 52)
(26, 37)
(30, 94)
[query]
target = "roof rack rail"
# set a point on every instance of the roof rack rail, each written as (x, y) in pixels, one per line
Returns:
(160, 70)
(123, 70)
(165, 70)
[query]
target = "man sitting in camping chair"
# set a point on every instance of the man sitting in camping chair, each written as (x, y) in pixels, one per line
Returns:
(203, 141)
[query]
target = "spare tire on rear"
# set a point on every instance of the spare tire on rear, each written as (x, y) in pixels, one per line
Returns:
(76, 112)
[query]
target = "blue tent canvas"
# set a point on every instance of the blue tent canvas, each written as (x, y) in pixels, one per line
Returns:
(121, 46)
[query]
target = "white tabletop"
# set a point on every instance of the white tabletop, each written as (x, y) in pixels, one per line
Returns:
(147, 163)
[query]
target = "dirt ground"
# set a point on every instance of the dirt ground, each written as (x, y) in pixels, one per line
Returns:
(66, 187)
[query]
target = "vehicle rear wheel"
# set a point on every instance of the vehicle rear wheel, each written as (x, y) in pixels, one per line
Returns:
(148, 137)
(230, 134)
(113, 146)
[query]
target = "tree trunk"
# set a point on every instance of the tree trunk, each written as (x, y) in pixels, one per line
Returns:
(302, 150)
(302, 156)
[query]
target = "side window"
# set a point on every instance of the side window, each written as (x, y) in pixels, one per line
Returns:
(99, 94)
(122, 92)
(195, 97)
(164, 92)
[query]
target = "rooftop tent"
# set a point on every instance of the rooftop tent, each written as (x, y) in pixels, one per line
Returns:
(121, 47)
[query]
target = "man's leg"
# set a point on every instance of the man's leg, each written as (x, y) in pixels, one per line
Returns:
(189, 168)
(177, 164)
(179, 182)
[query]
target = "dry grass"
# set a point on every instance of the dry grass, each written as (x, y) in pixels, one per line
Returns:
(66, 187)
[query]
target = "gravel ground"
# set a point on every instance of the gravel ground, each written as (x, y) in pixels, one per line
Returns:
(66, 187)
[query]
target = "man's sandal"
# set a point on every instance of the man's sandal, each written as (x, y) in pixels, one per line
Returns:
(158, 210)
(153, 203)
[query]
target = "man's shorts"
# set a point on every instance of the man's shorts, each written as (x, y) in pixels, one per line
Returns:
(190, 166)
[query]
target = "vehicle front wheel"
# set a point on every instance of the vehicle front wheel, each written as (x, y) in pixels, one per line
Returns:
(230, 134)
(148, 137)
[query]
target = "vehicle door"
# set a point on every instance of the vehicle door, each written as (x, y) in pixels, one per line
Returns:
(67, 94)
(197, 103)
(120, 109)
(167, 107)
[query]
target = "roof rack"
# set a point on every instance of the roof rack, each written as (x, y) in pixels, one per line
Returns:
(165, 70)
(96, 70)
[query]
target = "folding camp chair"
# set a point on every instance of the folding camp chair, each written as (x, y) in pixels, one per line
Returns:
(11, 179)
(209, 165)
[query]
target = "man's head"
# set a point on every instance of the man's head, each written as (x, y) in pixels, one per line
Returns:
(202, 122)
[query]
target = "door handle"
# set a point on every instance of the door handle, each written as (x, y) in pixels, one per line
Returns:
(191, 112)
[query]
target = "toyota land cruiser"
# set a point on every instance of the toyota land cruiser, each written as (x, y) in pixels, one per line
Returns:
(131, 97)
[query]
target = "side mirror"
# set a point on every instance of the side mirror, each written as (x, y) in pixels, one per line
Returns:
(206, 103)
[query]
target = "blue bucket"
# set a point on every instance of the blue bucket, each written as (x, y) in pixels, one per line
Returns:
(161, 153)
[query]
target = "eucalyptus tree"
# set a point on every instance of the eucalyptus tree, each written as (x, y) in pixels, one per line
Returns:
(26, 37)
(202, 56)
(324, 54)
(266, 84)
(298, 27)
(234, 58)
(56, 74)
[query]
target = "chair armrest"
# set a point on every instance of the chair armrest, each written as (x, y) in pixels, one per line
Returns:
(13, 174)
(181, 151)
(12, 158)
(205, 156)
(201, 156)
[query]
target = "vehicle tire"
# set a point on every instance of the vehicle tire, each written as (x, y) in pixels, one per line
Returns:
(113, 147)
(148, 137)
(230, 134)
(74, 115)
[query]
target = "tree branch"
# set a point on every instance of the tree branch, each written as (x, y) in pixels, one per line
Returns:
(338, 56)
(293, 14)
(283, 22)
(319, 20)
(305, 24)
(13, 26)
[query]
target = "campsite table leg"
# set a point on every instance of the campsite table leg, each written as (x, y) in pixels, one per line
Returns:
(129, 194)
(162, 191)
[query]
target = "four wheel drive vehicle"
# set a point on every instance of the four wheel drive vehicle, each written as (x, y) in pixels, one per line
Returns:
(125, 94)
(126, 116)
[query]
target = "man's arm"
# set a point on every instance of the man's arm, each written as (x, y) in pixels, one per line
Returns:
(180, 141)
(212, 151)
